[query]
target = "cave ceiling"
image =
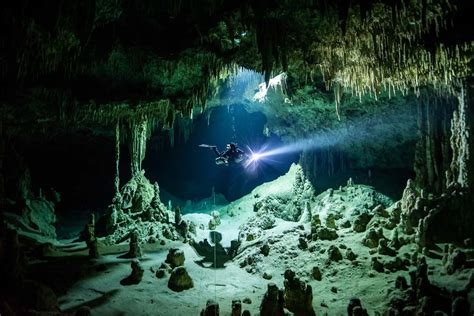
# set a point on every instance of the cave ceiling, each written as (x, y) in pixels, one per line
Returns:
(91, 63)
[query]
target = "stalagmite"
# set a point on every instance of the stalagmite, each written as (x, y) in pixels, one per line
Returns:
(117, 158)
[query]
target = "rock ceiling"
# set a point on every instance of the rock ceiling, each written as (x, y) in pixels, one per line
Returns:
(106, 60)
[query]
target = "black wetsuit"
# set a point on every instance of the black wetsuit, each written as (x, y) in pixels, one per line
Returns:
(229, 156)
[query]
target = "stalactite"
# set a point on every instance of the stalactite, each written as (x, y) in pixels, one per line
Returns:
(461, 171)
(139, 135)
(337, 99)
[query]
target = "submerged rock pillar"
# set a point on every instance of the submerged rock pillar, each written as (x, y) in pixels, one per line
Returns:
(433, 153)
(117, 157)
(138, 137)
(461, 172)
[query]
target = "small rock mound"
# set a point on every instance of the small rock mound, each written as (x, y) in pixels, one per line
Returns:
(180, 280)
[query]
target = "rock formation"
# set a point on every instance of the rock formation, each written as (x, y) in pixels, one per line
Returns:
(272, 302)
(136, 276)
(180, 280)
(298, 296)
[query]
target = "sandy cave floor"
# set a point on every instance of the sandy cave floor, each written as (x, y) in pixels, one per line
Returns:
(97, 283)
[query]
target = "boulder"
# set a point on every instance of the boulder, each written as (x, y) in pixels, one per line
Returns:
(334, 254)
(325, 233)
(316, 274)
(361, 221)
(180, 280)
(265, 250)
(372, 238)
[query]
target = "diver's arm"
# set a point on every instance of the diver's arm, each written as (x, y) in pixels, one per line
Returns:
(214, 148)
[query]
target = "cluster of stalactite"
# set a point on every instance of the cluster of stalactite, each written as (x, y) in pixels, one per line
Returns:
(324, 162)
(388, 52)
(159, 113)
(433, 150)
(213, 71)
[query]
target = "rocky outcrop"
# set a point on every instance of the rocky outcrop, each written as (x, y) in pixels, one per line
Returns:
(298, 295)
(423, 297)
(272, 302)
(180, 280)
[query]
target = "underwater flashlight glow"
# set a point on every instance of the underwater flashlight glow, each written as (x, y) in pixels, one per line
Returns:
(255, 156)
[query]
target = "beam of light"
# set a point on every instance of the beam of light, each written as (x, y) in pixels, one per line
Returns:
(377, 130)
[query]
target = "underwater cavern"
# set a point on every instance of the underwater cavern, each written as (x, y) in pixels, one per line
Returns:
(252, 157)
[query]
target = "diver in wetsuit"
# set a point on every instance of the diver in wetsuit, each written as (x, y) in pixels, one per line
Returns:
(231, 155)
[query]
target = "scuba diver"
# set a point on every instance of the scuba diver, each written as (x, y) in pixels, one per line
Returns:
(230, 156)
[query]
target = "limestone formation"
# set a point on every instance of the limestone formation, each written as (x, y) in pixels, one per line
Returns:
(361, 221)
(236, 308)
(401, 283)
(138, 207)
(298, 295)
(212, 309)
(217, 217)
(302, 243)
(325, 233)
(316, 273)
(372, 237)
(175, 258)
(384, 249)
(331, 221)
(180, 280)
(334, 254)
(136, 276)
(455, 259)
(90, 239)
(377, 265)
(350, 255)
(160, 273)
(135, 250)
(272, 302)
(212, 224)
(215, 254)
